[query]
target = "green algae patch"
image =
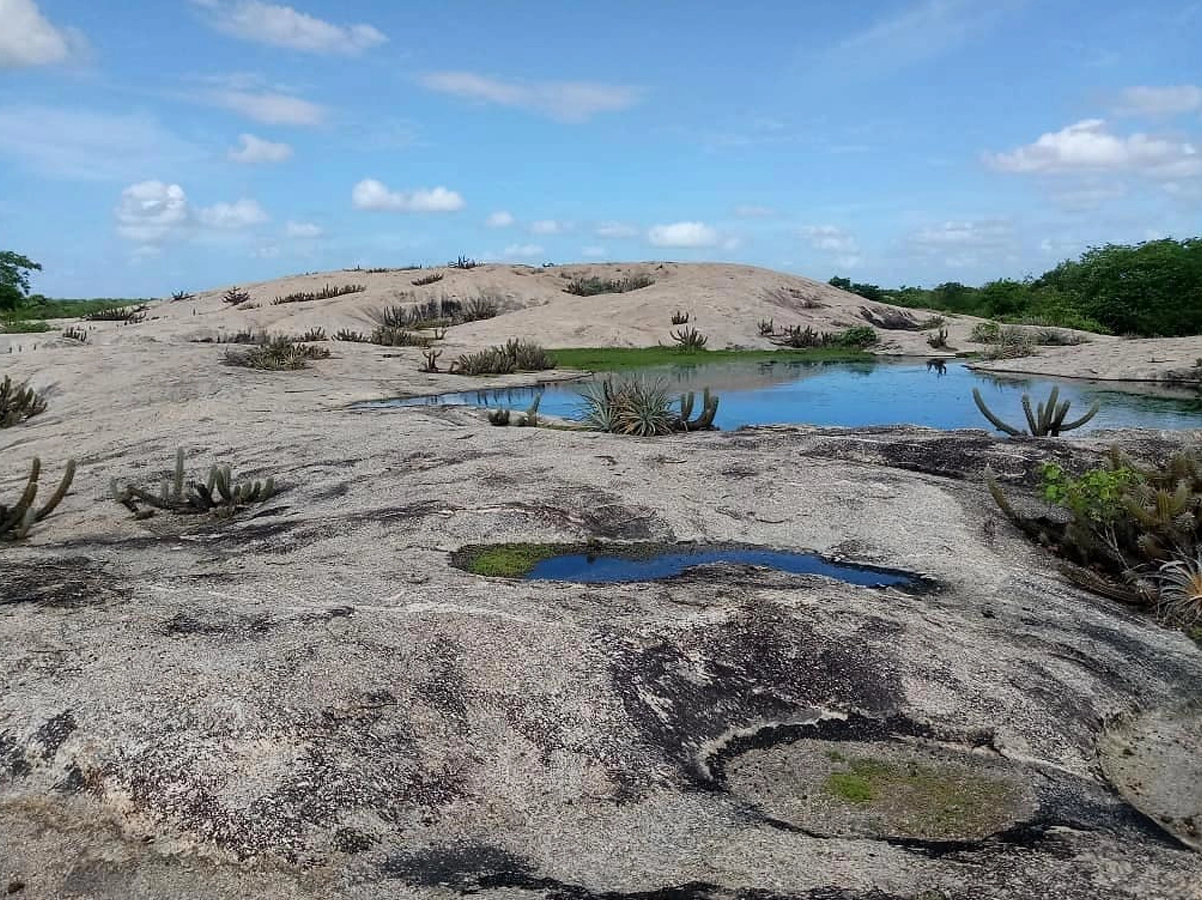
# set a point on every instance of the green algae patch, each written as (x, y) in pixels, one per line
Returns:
(506, 560)
(925, 801)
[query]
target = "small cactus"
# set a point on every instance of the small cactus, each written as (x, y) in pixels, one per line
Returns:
(15, 521)
(431, 363)
(703, 422)
(498, 417)
(680, 318)
(18, 402)
(530, 418)
(221, 495)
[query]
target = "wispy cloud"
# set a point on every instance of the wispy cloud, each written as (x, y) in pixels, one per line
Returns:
(76, 143)
(549, 226)
(283, 26)
(835, 242)
(500, 219)
(370, 194)
(965, 243)
(28, 38)
(567, 101)
(1089, 146)
(232, 216)
(253, 150)
(1159, 101)
(616, 230)
(521, 251)
(269, 107)
(752, 211)
(923, 30)
(303, 230)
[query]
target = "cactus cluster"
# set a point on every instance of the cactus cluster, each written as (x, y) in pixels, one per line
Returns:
(439, 312)
(857, 337)
(589, 287)
(690, 339)
(431, 360)
(16, 520)
(75, 334)
(938, 340)
(643, 408)
(130, 315)
(513, 356)
(235, 296)
(220, 494)
(18, 402)
(1131, 526)
(463, 262)
(177, 296)
(767, 327)
(433, 278)
(354, 337)
(329, 292)
(390, 336)
(278, 354)
(680, 318)
(1047, 420)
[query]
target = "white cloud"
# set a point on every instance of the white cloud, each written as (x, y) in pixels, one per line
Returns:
(1087, 197)
(751, 211)
(683, 234)
(255, 150)
(283, 26)
(239, 214)
(964, 243)
(593, 251)
(616, 230)
(1088, 146)
(152, 211)
(564, 101)
(269, 107)
(27, 38)
(268, 252)
(74, 143)
(1159, 101)
(303, 230)
(500, 219)
(547, 226)
(374, 195)
(145, 253)
(831, 239)
(522, 251)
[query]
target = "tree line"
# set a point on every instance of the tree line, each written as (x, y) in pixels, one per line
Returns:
(1152, 289)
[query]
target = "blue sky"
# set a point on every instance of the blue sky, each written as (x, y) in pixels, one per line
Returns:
(154, 145)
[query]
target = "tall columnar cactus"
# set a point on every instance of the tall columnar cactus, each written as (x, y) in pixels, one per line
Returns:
(705, 421)
(1046, 421)
(15, 521)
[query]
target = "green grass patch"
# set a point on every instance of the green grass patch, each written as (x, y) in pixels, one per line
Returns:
(616, 359)
(23, 326)
(504, 560)
(69, 309)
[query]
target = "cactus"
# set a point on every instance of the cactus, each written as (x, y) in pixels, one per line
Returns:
(177, 296)
(16, 521)
(235, 295)
(498, 417)
(690, 339)
(1046, 421)
(75, 334)
(221, 495)
(938, 341)
(767, 327)
(530, 419)
(431, 364)
(427, 279)
(705, 421)
(680, 318)
(18, 402)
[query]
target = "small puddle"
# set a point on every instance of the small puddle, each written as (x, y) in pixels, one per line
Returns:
(624, 563)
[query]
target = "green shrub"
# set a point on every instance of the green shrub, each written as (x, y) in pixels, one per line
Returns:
(329, 292)
(986, 333)
(590, 287)
(24, 326)
(858, 337)
(637, 406)
(690, 340)
(513, 356)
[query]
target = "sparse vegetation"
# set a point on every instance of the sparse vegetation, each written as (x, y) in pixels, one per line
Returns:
(1048, 420)
(25, 326)
(177, 296)
(513, 356)
(432, 278)
(314, 334)
(18, 402)
(356, 337)
(431, 360)
(75, 334)
(16, 520)
(680, 318)
(329, 292)
(130, 315)
(439, 312)
(463, 262)
(280, 353)
(1135, 532)
(390, 336)
(938, 340)
(589, 287)
(1005, 341)
(235, 296)
(690, 340)
(857, 337)
(767, 327)
(220, 495)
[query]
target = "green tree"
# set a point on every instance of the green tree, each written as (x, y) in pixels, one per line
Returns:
(14, 278)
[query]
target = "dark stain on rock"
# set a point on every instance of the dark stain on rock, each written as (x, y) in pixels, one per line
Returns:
(12, 756)
(326, 615)
(64, 583)
(333, 492)
(445, 688)
(352, 840)
(73, 781)
(235, 626)
(54, 732)
(767, 664)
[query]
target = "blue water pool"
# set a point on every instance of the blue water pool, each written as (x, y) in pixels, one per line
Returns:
(861, 394)
(593, 568)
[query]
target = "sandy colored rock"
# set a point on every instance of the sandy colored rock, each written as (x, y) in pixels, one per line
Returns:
(309, 701)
